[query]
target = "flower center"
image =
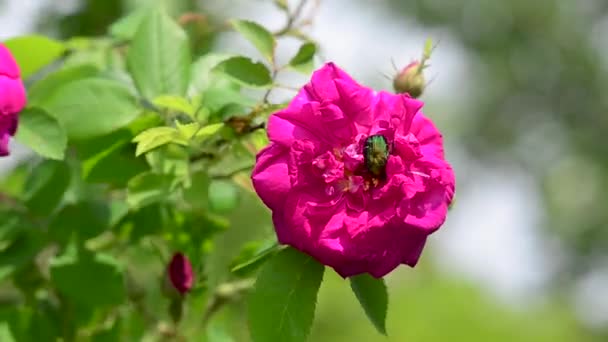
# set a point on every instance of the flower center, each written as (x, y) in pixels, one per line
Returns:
(375, 154)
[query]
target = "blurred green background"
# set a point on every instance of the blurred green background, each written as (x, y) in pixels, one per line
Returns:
(516, 87)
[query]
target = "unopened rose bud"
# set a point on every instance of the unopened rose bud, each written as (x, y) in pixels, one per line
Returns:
(180, 274)
(410, 80)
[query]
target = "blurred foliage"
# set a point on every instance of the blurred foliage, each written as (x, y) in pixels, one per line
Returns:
(543, 110)
(536, 84)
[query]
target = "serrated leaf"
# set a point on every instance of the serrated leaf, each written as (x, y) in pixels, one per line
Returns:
(92, 107)
(34, 52)
(257, 35)
(282, 304)
(42, 133)
(245, 71)
(159, 56)
(373, 297)
(154, 137)
(147, 188)
(303, 60)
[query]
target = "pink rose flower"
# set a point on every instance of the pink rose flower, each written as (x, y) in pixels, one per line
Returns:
(12, 98)
(355, 178)
(180, 273)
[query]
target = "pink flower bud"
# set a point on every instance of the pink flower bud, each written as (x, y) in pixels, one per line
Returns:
(180, 273)
(410, 80)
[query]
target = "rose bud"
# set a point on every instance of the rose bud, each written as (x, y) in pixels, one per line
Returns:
(12, 98)
(410, 80)
(180, 274)
(355, 178)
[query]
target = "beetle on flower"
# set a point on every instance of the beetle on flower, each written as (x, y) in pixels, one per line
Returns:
(355, 178)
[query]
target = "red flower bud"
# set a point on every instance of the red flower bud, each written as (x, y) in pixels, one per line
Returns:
(410, 80)
(180, 273)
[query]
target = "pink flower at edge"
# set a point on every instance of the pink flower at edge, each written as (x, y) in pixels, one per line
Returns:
(325, 200)
(12, 98)
(180, 273)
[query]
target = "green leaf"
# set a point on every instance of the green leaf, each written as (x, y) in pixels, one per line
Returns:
(303, 60)
(245, 71)
(147, 188)
(196, 194)
(209, 130)
(201, 76)
(159, 56)
(34, 52)
(94, 280)
(42, 133)
(253, 255)
(176, 104)
(84, 219)
(126, 27)
(282, 304)
(154, 137)
(44, 89)
(223, 196)
(92, 107)
(257, 35)
(45, 186)
(100, 155)
(20, 252)
(373, 297)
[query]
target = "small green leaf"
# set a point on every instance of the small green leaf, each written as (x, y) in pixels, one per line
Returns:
(33, 53)
(159, 56)
(282, 304)
(187, 131)
(257, 35)
(373, 297)
(42, 133)
(92, 107)
(209, 130)
(147, 188)
(175, 103)
(303, 60)
(223, 196)
(153, 138)
(94, 280)
(245, 71)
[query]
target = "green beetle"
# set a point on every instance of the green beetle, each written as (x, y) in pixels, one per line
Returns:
(375, 153)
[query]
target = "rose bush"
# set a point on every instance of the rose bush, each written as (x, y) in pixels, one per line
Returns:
(355, 178)
(12, 98)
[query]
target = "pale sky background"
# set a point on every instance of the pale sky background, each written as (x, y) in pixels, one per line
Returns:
(492, 234)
